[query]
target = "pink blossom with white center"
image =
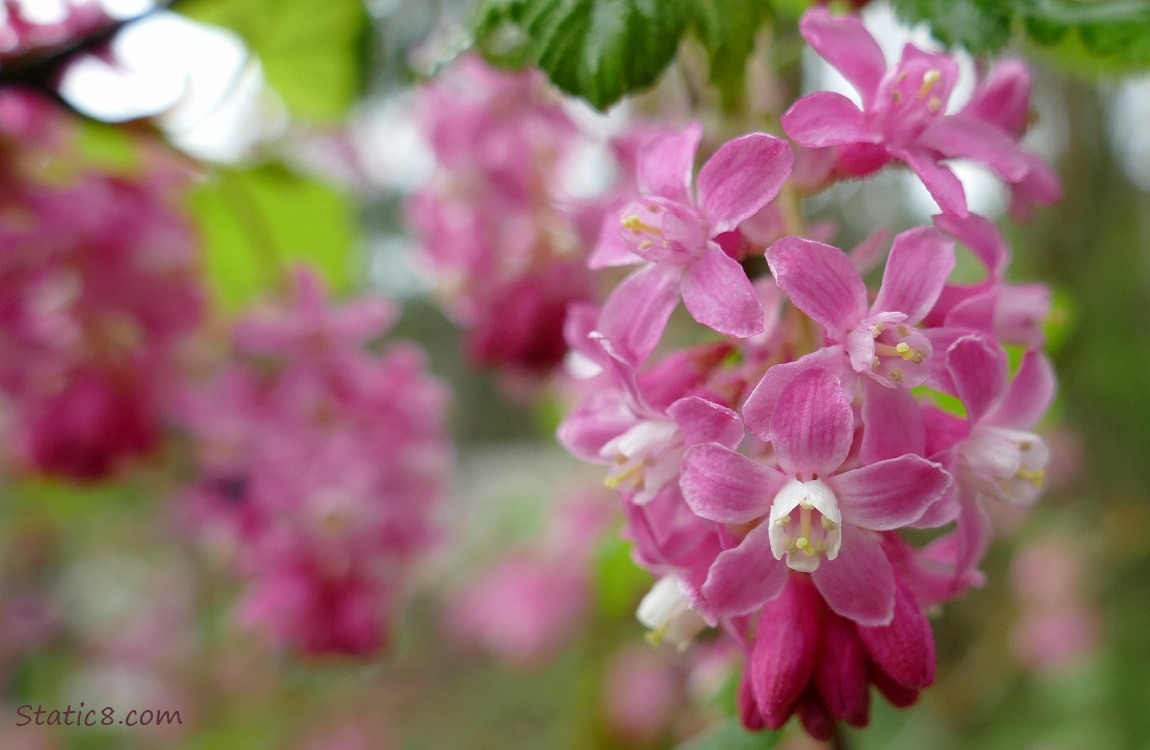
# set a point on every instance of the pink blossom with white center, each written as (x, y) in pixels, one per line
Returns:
(805, 508)
(903, 116)
(671, 230)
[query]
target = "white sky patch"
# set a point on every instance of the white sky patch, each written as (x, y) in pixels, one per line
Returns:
(200, 82)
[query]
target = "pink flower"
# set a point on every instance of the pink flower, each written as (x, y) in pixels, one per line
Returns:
(806, 508)
(903, 115)
(671, 230)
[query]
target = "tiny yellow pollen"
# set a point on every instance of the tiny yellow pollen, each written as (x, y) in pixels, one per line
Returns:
(783, 521)
(828, 524)
(1034, 476)
(637, 225)
(929, 80)
(655, 637)
(895, 377)
(632, 474)
(802, 542)
(875, 364)
(902, 348)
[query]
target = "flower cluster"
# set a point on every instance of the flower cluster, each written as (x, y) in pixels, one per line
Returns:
(766, 476)
(503, 241)
(321, 468)
(100, 294)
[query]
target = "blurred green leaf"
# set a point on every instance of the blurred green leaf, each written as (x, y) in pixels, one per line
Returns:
(311, 50)
(619, 582)
(258, 221)
(600, 50)
(977, 25)
(727, 29)
(730, 735)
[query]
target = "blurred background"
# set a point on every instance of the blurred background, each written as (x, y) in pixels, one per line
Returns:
(296, 130)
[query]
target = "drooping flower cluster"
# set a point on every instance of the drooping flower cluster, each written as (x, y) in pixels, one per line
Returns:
(766, 476)
(98, 279)
(505, 243)
(321, 468)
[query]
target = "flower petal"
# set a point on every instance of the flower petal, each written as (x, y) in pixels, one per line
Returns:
(890, 494)
(634, 316)
(916, 271)
(859, 583)
(846, 44)
(718, 294)
(703, 421)
(744, 578)
(813, 425)
(964, 137)
(978, 369)
(744, 175)
(783, 655)
(827, 119)
(760, 405)
(903, 648)
(893, 423)
(722, 485)
(666, 163)
(821, 281)
(982, 236)
(1029, 394)
(940, 182)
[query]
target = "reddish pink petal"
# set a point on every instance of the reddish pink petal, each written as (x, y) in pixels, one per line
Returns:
(978, 369)
(741, 177)
(846, 44)
(841, 671)
(783, 655)
(634, 316)
(743, 579)
(722, 485)
(904, 648)
(760, 405)
(890, 494)
(702, 421)
(920, 262)
(1029, 394)
(666, 164)
(940, 182)
(827, 119)
(859, 583)
(813, 425)
(821, 281)
(1003, 97)
(718, 294)
(893, 423)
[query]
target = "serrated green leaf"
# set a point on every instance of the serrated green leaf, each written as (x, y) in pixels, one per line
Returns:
(311, 50)
(727, 29)
(730, 735)
(256, 222)
(600, 50)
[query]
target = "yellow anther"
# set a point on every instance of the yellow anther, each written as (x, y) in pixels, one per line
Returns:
(877, 329)
(637, 225)
(929, 80)
(903, 331)
(802, 542)
(895, 376)
(783, 521)
(902, 348)
(1034, 476)
(828, 524)
(934, 104)
(613, 481)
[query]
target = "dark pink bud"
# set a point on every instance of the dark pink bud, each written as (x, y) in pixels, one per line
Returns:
(841, 672)
(748, 708)
(897, 695)
(783, 655)
(815, 717)
(904, 649)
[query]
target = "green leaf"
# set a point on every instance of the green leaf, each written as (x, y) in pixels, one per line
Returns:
(730, 735)
(600, 50)
(727, 29)
(977, 25)
(258, 221)
(619, 582)
(311, 50)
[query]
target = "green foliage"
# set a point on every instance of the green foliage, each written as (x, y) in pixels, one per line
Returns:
(258, 221)
(311, 50)
(730, 735)
(619, 582)
(600, 50)
(727, 29)
(1094, 35)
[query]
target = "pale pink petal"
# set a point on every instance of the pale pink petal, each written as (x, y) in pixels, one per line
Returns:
(978, 369)
(612, 249)
(827, 119)
(846, 44)
(634, 316)
(920, 262)
(722, 485)
(973, 532)
(741, 177)
(964, 137)
(859, 583)
(1003, 97)
(821, 281)
(893, 423)
(813, 425)
(1029, 394)
(903, 648)
(939, 181)
(890, 494)
(666, 163)
(745, 578)
(1039, 185)
(702, 421)
(718, 294)
(760, 405)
